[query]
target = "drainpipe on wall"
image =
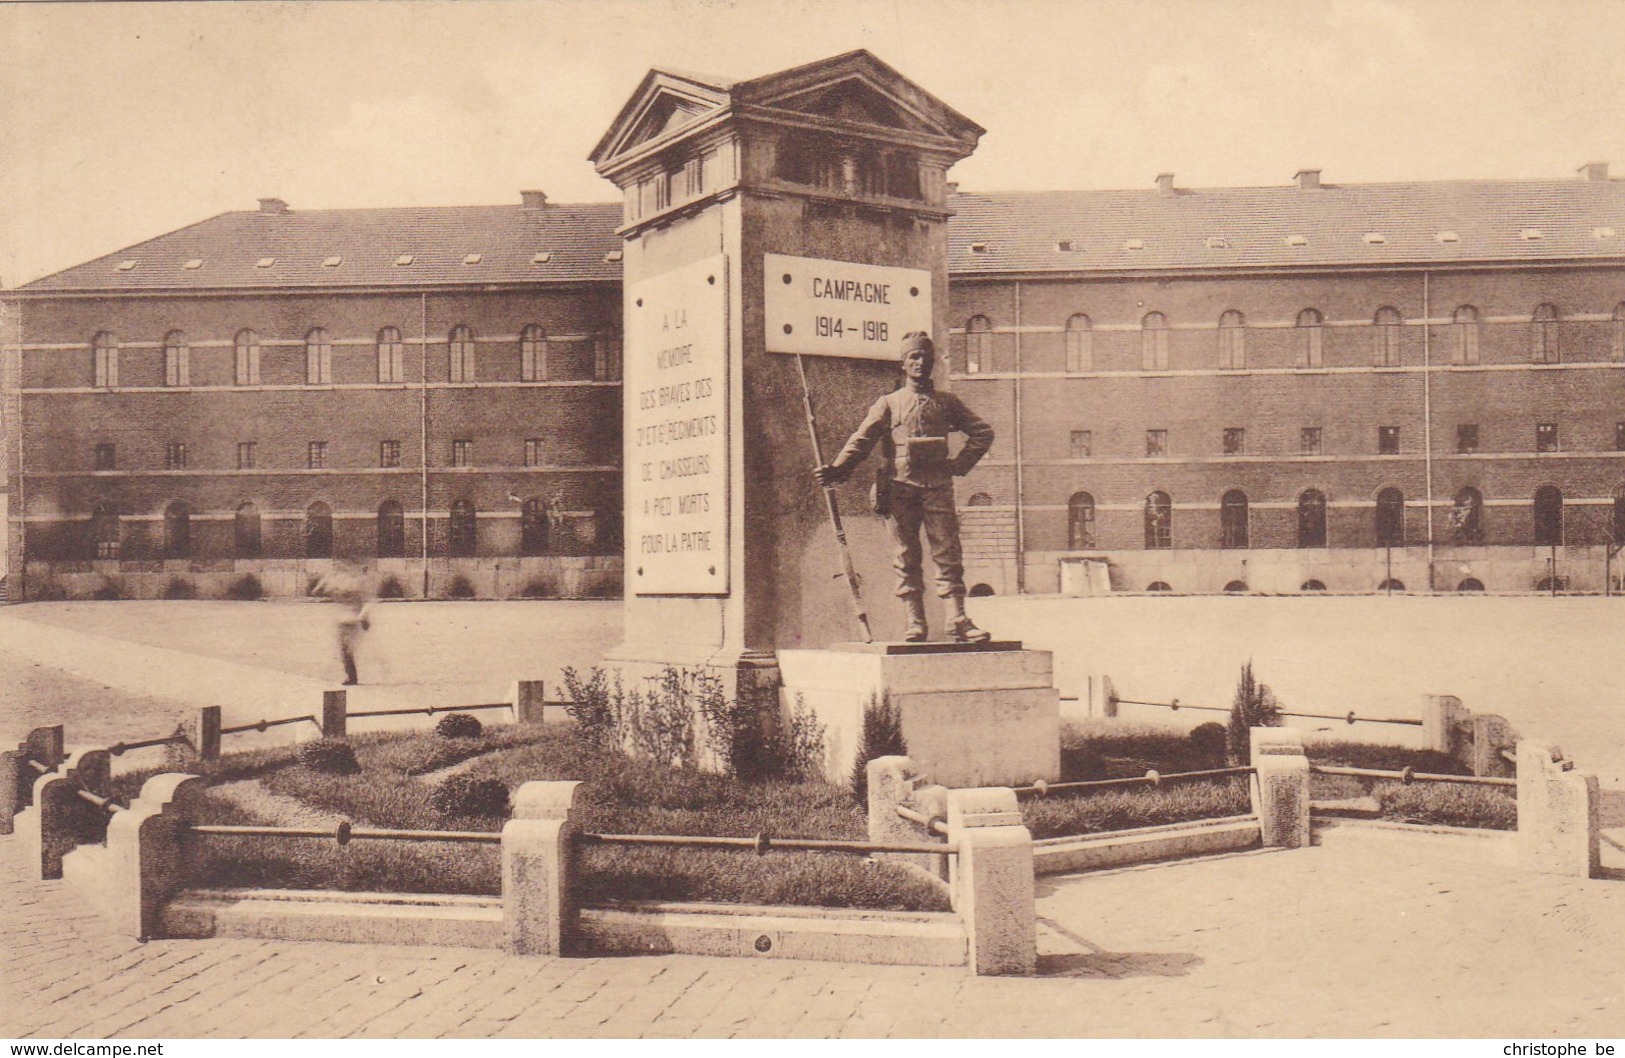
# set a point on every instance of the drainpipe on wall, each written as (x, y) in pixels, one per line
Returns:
(423, 434)
(19, 517)
(1021, 518)
(1427, 414)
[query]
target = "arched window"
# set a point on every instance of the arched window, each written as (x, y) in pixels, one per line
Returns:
(978, 345)
(533, 528)
(177, 360)
(318, 530)
(1159, 521)
(1312, 585)
(391, 530)
(1080, 346)
(1392, 584)
(246, 531)
(1312, 518)
(247, 344)
(105, 358)
(1543, 335)
(532, 353)
(460, 350)
(1385, 337)
(1470, 584)
(318, 358)
(1236, 586)
(391, 355)
(1158, 585)
(979, 499)
(1309, 346)
(1467, 517)
(177, 531)
(1465, 323)
(1548, 516)
(1232, 341)
(1154, 342)
(1390, 518)
(1617, 345)
(106, 532)
(1233, 519)
(463, 533)
(1080, 522)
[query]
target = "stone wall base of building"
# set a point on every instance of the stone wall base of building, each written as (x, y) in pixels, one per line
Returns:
(544, 577)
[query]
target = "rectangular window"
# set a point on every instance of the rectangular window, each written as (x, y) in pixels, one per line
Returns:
(175, 456)
(462, 453)
(1309, 440)
(1082, 444)
(107, 456)
(247, 455)
(1467, 438)
(1388, 440)
(606, 359)
(1235, 441)
(1156, 443)
(316, 455)
(533, 451)
(389, 453)
(1546, 437)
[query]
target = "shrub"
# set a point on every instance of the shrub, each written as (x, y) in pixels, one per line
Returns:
(882, 737)
(459, 725)
(107, 591)
(330, 756)
(460, 588)
(658, 724)
(391, 588)
(246, 588)
(537, 588)
(179, 588)
(1253, 706)
(797, 748)
(462, 795)
(595, 705)
(1209, 740)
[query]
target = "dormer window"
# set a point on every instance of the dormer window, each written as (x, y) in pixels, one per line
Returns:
(1216, 243)
(541, 258)
(332, 262)
(977, 247)
(1531, 234)
(473, 258)
(193, 265)
(1297, 240)
(1064, 246)
(1447, 236)
(1375, 238)
(404, 259)
(124, 266)
(613, 256)
(1133, 244)
(265, 262)
(1602, 233)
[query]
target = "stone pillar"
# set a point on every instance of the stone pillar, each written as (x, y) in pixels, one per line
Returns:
(148, 847)
(1280, 787)
(528, 702)
(539, 912)
(199, 739)
(43, 746)
(1108, 698)
(335, 714)
(993, 879)
(1443, 720)
(1491, 736)
(1559, 824)
(59, 820)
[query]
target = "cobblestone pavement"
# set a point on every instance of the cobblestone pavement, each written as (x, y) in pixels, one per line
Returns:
(1318, 942)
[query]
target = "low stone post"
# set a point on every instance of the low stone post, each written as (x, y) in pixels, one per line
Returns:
(59, 820)
(892, 786)
(1443, 722)
(993, 879)
(148, 849)
(539, 912)
(1559, 824)
(1493, 737)
(198, 739)
(1108, 698)
(1280, 787)
(528, 702)
(335, 714)
(43, 746)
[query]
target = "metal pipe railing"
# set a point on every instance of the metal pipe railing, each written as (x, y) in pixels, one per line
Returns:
(935, 824)
(430, 710)
(1410, 775)
(1150, 778)
(265, 725)
(1349, 717)
(762, 844)
(118, 749)
(344, 833)
(106, 804)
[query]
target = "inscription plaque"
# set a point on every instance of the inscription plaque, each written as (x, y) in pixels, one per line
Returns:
(677, 431)
(837, 308)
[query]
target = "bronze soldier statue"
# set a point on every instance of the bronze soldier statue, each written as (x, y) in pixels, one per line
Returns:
(914, 485)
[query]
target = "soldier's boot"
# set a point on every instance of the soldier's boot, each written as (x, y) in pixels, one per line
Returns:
(960, 628)
(916, 631)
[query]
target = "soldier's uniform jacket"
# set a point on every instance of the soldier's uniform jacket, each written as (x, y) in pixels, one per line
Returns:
(925, 413)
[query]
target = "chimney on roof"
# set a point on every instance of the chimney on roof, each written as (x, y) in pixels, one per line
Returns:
(1307, 179)
(273, 205)
(533, 199)
(1165, 183)
(1594, 171)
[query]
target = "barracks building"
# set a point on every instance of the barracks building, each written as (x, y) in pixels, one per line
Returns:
(1308, 387)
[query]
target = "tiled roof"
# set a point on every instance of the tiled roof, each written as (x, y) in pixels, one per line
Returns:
(509, 242)
(1270, 227)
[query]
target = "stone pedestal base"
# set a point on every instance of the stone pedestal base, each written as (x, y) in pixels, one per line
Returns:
(983, 715)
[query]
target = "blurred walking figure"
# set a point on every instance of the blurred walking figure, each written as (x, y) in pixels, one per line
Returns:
(347, 585)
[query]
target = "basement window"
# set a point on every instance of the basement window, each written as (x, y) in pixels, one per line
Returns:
(265, 262)
(541, 258)
(332, 262)
(404, 259)
(473, 258)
